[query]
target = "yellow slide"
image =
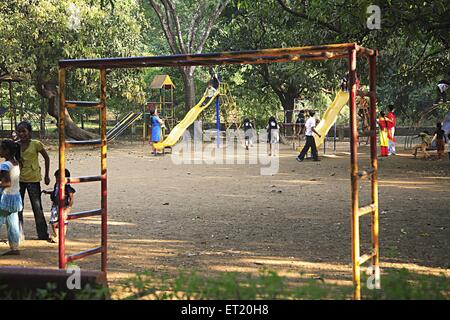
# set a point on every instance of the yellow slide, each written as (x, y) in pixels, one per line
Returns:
(330, 116)
(190, 117)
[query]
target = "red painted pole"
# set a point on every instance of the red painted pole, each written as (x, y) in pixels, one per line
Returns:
(62, 178)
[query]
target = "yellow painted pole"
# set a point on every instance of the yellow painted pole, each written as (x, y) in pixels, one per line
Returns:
(104, 191)
(354, 175)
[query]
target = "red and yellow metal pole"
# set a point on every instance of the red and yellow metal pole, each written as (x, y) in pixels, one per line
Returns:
(354, 174)
(62, 167)
(104, 191)
(374, 158)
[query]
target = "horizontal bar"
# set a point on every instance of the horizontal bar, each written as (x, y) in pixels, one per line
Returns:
(236, 57)
(367, 209)
(74, 143)
(366, 257)
(366, 93)
(83, 179)
(84, 214)
(366, 173)
(83, 254)
(366, 51)
(85, 104)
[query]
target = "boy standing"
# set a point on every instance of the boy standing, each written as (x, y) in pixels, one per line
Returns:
(439, 137)
(310, 142)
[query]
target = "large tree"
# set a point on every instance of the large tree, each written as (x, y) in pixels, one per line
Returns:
(34, 35)
(187, 25)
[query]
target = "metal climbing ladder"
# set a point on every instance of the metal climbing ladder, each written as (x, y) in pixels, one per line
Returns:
(102, 178)
(358, 212)
(230, 110)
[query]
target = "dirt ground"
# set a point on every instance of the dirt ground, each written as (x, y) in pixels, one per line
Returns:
(167, 217)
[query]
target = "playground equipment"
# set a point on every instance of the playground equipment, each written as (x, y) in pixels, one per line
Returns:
(228, 110)
(163, 86)
(330, 116)
(228, 107)
(180, 128)
(122, 125)
(12, 109)
(324, 52)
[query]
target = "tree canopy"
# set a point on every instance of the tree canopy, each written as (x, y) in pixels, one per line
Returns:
(413, 41)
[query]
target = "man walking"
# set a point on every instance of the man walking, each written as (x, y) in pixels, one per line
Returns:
(310, 142)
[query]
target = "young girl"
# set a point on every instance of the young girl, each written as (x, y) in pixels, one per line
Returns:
(54, 211)
(30, 176)
(10, 201)
(384, 134)
(157, 123)
(272, 133)
(248, 133)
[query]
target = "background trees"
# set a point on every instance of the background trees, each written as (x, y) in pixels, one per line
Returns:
(413, 43)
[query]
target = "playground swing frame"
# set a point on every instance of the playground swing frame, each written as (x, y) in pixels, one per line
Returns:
(348, 51)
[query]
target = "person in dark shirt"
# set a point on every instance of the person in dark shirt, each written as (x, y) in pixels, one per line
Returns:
(439, 137)
(300, 123)
(248, 133)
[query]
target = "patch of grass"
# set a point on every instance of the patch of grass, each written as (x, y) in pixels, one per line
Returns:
(405, 285)
(268, 285)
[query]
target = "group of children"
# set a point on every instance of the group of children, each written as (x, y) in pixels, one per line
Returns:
(439, 137)
(387, 124)
(21, 173)
(273, 136)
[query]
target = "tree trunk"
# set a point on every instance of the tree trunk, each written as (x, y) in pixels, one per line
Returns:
(189, 87)
(72, 130)
(42, 119)
(288, 105)
(82, 121)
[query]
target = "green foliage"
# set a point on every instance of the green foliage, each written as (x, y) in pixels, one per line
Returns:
(405, 285)
(413, 42)
(35, 36)
(268, 285)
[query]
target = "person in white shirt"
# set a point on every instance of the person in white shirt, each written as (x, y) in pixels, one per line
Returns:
(210, 93)
(443, 86)
(310, 142)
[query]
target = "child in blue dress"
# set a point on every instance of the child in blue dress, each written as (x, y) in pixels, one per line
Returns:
(10, 199)
(157, 124)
